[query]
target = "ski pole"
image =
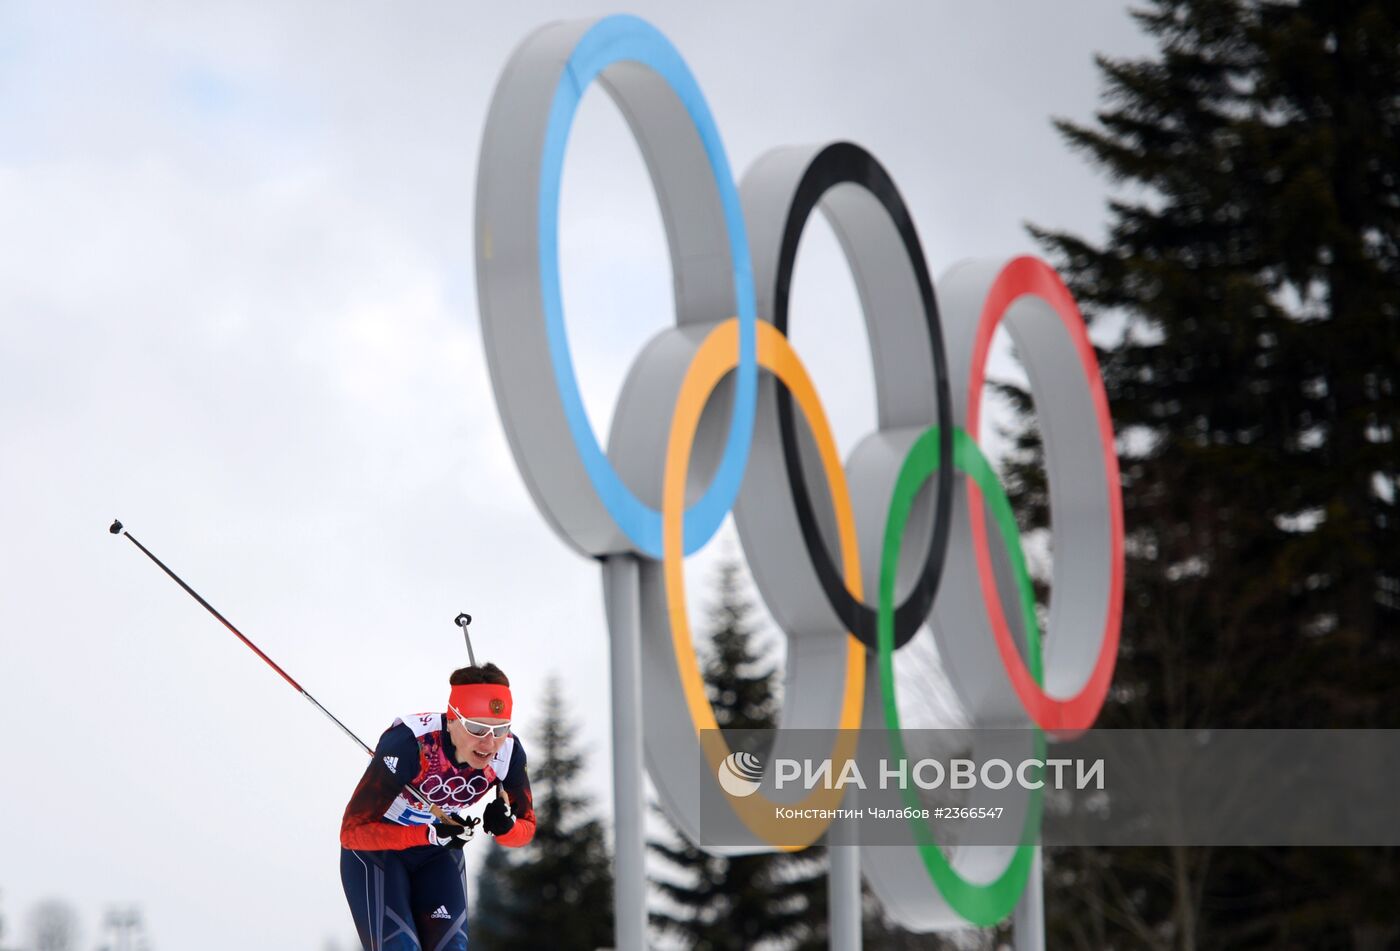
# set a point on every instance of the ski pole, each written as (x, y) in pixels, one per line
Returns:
(117, 529)
(464, 621)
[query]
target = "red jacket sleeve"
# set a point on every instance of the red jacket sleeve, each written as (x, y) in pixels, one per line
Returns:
(363, 826)
(522, 804)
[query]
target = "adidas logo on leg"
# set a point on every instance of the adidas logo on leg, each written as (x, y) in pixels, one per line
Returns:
(440, 913)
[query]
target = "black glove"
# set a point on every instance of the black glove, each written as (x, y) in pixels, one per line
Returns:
(496, 819)
(449, 835)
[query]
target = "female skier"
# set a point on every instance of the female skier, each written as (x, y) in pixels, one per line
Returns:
(400, 862)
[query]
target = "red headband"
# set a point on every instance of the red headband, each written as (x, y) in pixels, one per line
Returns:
(481, 700)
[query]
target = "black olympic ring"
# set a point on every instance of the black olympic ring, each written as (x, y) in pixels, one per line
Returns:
(838, 164)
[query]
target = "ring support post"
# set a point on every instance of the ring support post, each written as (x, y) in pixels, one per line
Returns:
(620, 594)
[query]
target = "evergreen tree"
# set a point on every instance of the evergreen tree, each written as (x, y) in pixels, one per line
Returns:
(495, 905)
(53, 926)
(778, 899)
(1254, 265)
(556, 892)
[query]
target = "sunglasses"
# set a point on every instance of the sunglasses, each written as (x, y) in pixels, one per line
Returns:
(478, 729)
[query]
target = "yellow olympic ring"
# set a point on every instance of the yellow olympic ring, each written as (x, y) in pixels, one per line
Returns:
(719, 354)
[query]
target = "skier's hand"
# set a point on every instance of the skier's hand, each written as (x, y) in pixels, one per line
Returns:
(497, 819)
(449, 835)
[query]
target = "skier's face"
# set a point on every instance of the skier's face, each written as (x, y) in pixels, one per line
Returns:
(475, 751)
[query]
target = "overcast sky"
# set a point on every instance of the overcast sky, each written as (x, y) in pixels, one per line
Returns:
(239, 314)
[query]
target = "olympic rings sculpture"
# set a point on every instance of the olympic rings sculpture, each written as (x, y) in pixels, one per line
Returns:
(733, 442)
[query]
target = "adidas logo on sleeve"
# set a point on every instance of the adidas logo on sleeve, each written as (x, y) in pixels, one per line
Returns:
(393, 763)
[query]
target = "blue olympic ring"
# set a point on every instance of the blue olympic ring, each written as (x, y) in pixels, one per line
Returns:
(611, 40)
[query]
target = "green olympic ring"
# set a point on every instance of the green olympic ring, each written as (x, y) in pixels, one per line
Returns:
(981, 904)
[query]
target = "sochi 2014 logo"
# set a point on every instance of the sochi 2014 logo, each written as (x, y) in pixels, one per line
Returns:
(458, 790)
